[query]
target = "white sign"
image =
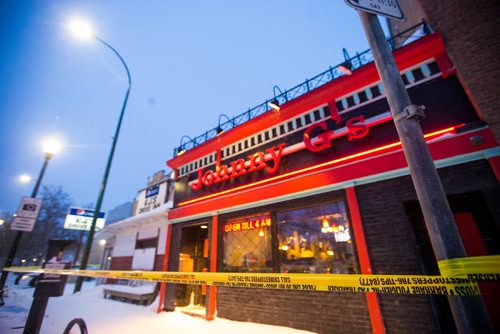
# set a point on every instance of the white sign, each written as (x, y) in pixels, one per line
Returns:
(29, 207)
(81, 219)
(23, 224)
(150, 198)
(388, 8)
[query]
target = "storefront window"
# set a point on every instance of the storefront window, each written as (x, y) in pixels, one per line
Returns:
(316, 240)
(247, 243)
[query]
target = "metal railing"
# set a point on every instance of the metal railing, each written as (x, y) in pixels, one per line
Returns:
(360, 59)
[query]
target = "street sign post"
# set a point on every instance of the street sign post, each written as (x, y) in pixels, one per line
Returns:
(387, 8)
(26, 214)
(23, 224)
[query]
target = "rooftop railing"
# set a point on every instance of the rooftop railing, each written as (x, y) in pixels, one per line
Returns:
(360, 59)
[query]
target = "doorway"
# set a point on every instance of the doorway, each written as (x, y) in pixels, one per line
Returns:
(480, 235)
(193, 257)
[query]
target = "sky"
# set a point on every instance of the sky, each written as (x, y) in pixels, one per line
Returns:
(190, 61)
(104, 316)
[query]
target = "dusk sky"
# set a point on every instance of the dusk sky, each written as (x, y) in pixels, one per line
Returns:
(190, 61)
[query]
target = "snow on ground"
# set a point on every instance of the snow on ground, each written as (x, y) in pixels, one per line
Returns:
(104, 316)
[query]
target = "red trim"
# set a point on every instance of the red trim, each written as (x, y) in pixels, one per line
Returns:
(163, 286)
(428, 47)
(495, 165)
(213, 267)
(381, 163)
(363, 155)
(445, 65)
(364, 260)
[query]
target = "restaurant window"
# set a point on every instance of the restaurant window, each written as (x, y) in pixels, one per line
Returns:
(247, 244)
(316, 240)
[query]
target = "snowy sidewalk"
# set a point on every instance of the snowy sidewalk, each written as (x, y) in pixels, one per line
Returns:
(104, 316)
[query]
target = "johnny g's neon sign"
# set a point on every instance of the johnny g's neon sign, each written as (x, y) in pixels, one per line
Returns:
(240, 167)
(354, 128)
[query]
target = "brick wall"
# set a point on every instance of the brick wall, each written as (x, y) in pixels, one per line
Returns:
(471, 31)
(121, 263)
(321, 312)
(391, 240)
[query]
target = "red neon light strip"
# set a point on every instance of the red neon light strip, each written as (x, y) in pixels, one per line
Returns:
(319, 166)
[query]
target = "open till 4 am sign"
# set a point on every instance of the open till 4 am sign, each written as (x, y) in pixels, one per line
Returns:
(387, 8)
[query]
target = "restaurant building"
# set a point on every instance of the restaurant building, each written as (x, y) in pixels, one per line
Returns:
(321, 185)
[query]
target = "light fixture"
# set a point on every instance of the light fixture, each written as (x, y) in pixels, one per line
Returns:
(25, 178)
(51, 146)
(204, 227)
(346, 67)
(220, 130)
(275, 104)
(102, 242)
(284, 248)
(80, 28)
(181, 149)
(261, 233)
(2, 221)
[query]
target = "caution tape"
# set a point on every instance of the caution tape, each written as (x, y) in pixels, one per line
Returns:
(395, 284)
(476, 268)
(458, 279)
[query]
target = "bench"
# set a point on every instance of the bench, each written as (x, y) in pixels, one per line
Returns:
(143, 293)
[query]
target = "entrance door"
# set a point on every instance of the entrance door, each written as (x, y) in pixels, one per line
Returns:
(480, 235)
(193, 258)
(474, 246)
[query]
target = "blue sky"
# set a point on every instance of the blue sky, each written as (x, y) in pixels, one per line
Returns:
(190, 61)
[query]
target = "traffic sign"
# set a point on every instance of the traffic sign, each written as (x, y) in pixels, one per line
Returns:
(23, 224)
(29, 207)
(387, 8)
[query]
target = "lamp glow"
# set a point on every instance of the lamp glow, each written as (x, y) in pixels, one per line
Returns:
(51, 146)
(80, 29)
(25, 178)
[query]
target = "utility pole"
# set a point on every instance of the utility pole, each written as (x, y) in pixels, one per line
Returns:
(469, 312)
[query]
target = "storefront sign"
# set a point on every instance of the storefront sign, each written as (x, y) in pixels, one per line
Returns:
(249, 224)
(150, 198)
(240, 167)
(355, 126)
(81, 219)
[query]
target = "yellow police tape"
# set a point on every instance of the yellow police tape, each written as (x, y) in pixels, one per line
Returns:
(476, 268)
(459, 277)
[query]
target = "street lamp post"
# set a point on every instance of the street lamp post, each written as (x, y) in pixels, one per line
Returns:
(51, 148)
(469, 312)
(83, 30)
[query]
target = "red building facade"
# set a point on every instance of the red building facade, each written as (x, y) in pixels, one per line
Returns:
(322, 186)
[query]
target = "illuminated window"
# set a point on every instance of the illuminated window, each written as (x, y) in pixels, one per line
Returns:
(316, 240)
(247, 244)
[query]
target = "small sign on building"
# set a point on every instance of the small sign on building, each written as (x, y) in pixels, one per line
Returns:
(81, 219)
(387, 8)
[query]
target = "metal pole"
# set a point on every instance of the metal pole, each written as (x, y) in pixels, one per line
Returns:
(90, 237)
(469, 312)
(19, 234)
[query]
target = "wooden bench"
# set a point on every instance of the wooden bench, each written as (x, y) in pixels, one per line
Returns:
(143, 293)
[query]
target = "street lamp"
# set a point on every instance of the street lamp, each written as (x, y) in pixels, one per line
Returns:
(25, 178)
(50, 147)
(83, 31)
